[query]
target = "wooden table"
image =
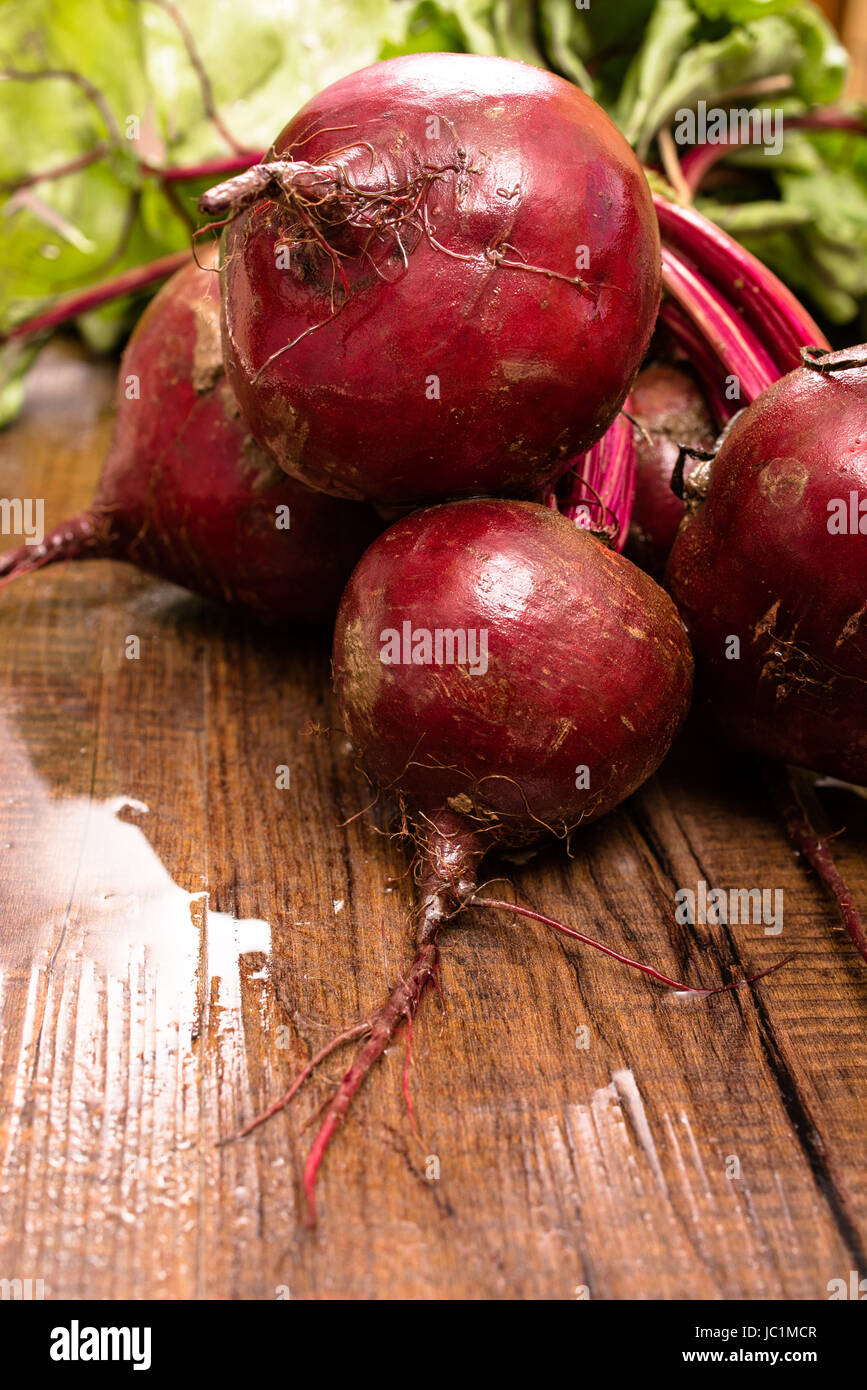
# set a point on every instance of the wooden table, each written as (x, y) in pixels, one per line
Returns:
(177, 935)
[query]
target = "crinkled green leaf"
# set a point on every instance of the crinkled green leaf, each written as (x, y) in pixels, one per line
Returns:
(562, 34)
(742, 11)
(821, 75)
(16, 359)
(666, 41)
(766, 48)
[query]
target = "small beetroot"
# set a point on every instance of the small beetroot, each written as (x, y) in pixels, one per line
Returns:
(769, 570)
(670, 410)
(187, 494)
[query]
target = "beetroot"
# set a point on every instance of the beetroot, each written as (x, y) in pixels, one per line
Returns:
(187, 494)
(497, 739)
(769, 571)
(505, 675)
(441, 282)
(671, 410)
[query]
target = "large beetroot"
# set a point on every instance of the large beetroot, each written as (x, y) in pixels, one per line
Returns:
(769, 571)
(441, 282)
(188, 495)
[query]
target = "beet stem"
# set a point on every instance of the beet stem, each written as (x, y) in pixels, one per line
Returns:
(739, 349)
(616, 955)
(57, 171)
(82, 301)
(762, 307)
(790, 796)
(703, 358)
(700, 158)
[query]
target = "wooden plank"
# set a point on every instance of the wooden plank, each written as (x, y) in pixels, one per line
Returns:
(854, 33)
(833, 11)
(142, 1023)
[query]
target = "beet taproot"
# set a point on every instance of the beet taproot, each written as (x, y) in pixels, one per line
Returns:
(440, 283)
(186, 493)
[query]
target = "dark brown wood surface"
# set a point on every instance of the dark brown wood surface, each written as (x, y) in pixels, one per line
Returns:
(177, 935)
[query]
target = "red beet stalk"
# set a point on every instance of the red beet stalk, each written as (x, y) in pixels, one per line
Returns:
(697, 162)
(780, 325)
(597, 490)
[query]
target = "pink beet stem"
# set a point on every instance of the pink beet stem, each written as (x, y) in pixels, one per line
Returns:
(598, 487)
(782, 324)
(83, 301)
(209, 169)
(616, 955)
(739, 350)
(701, 356)
(697, 161)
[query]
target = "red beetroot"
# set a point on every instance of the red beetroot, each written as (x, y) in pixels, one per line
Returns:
(442, 282)
(187, 494)
(773, 553)
(671, 410)
(505, 675)
(584, 664)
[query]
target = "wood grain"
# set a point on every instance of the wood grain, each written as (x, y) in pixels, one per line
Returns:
(165, 970)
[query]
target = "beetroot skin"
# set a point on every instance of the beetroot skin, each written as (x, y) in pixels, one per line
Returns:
(669, 406)
(187, 494)
(402, 259)
(773, 552)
